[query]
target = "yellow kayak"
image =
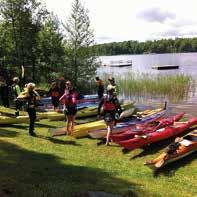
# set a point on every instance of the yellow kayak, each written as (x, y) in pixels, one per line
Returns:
(40, 115)
(5, 120)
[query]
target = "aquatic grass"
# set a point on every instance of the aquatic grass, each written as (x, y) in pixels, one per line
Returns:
(65, 166)
(172, 87)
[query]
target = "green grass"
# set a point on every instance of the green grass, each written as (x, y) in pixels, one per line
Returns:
(64, 166)
(172, 87)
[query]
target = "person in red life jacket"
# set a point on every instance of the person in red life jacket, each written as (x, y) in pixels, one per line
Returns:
(55, 94)
(111, 108)
(100, 86)
(69, 99)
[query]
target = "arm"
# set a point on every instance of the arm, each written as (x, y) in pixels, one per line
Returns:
(100, 105)
(74, 98)
(62, 99)
(117, 104)
(37, 95)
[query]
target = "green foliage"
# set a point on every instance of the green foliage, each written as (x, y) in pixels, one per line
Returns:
(22, 20)
(157, 46)
(51, 49)
(81, 64)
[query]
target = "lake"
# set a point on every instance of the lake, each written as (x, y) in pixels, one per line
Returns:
(187, 63)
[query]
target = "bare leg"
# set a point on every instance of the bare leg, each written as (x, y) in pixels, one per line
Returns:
(109, 131)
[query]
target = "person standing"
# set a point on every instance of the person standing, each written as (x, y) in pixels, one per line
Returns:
(111, 108)
(32, 97)
(16, 92)
(69, 100)
(116, 87)
(55, 93)
(100, 86)
(4, 92)
(62, 84)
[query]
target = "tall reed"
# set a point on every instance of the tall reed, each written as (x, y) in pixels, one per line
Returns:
(173, 87)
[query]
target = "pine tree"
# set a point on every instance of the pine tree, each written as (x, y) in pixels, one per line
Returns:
(81, 64)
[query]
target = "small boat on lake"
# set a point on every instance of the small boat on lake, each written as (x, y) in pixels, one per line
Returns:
(165, 67)
(119, 63)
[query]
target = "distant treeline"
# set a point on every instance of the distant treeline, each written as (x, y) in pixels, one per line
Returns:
(178, 45)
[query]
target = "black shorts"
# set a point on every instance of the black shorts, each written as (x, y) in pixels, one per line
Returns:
(110, 116)
(71, 110)
(55, 102)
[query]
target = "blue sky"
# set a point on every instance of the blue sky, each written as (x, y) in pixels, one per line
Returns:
(120, 20)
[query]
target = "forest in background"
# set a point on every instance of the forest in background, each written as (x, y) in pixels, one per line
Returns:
(177, 45)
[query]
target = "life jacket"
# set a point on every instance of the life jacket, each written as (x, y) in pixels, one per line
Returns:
(109, 104)
(70, 98)
(55, 93)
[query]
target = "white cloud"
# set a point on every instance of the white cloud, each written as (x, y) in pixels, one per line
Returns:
(119, 20)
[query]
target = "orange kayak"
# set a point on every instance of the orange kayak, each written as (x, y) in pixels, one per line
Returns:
(175, 151)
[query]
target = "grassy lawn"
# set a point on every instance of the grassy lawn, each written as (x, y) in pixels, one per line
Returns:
(64, 166)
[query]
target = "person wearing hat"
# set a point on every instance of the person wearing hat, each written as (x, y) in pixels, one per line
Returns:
(100, 86)
(16, 92)
(111, 108)
(113, 83)
(32, 97)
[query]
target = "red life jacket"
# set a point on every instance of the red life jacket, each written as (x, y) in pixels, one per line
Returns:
(55, 94)
(108, 104)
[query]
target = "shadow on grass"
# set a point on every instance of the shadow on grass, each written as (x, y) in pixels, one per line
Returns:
(7, 133)
(170, 169)
(17, 126)
(28, 173)
(41, 125)
(58, 141)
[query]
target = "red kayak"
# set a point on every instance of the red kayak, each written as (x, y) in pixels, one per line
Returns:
(158, 135)
(145, 128)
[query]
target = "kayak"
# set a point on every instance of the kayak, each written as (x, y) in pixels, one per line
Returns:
(45, 104)
(120, 127)
(158, 135)
(92, 111)
(10, 112)
(145, 128)
(40, 115)
(5, 120)
(179, 149)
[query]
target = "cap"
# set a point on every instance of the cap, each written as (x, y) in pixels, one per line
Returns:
(31, 85)
(111, 79)
(15, 79)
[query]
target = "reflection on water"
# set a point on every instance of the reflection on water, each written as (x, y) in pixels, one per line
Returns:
(142, 64)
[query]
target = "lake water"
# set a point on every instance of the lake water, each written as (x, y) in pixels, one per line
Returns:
(187, 63)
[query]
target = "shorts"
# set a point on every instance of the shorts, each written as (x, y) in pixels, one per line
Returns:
(55, 102)
(70, 110)
(110, 116)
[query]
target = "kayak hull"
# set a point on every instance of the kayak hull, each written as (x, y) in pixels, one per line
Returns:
(158, 135)
(121, 127)
(182, 151)
(145, 128)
